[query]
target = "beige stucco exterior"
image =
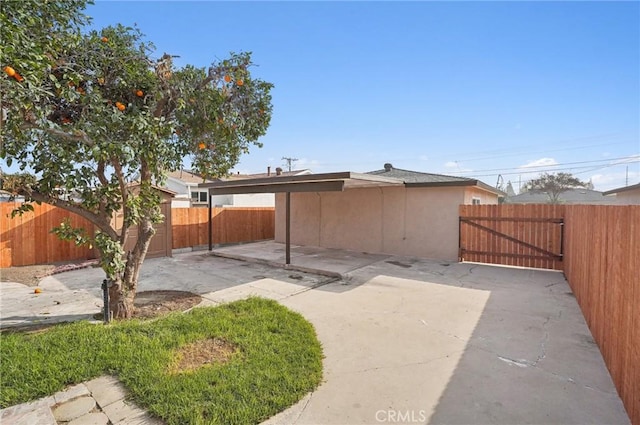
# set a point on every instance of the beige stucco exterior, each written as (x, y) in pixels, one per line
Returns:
(421, 222)
(628, 197)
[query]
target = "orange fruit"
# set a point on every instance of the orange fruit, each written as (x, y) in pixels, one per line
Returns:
(104, 39)
(120, 106)
(37, 291)
(240, 82)
(80, 90)
(227, 78)
(201, 145)
(10, 71)
(66, 120)
(18, 77)
(100, 80)
(139, 93)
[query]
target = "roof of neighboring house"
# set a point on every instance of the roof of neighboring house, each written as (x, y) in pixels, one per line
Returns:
(420, 179)
(622, 189)
(271, 174)
(188, 177)
(136, 184)
(569, 196)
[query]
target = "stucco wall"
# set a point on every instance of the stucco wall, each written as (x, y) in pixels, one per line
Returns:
(253, 200)
(484, 196)
(629, 197)
(421, 222)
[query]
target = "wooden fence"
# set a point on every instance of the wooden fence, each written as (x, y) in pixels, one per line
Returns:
(230, 225)
(526, 235)
(27, 239)
(602, 266)
(601, 261)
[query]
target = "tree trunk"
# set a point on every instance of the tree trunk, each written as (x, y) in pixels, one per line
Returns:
(121, 301)
(123, 292)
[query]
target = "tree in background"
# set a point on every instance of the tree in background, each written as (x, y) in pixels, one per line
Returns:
(553, 185)
(94, 121)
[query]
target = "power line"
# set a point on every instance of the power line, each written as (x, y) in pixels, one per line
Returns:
(289, 161)
(586, 168)
(534, 168)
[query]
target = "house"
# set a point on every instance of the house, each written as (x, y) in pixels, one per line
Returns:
(390, 211)
(188, 194)
(569, 196)
(161, 243)
(185, 185)
(628, 195)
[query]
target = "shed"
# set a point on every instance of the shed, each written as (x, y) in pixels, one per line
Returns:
(162, 241)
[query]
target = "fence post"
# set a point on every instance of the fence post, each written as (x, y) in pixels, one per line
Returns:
(210, 225)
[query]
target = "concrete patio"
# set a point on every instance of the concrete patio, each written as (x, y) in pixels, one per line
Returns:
(406, 340)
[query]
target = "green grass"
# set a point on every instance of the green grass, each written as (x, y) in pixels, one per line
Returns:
(280, 360)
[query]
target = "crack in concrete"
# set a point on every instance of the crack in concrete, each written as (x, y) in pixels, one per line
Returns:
(306, 404)
(440, 331)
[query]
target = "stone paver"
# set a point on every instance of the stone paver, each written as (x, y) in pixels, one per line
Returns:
(106, 390)
(35, 412)
(71, 393)
(74, 409)
(121, 410)
(94, 418)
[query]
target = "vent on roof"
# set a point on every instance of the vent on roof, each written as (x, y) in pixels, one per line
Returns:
(388, 167)
(278, 171)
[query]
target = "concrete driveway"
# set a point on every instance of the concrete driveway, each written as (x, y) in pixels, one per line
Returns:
(409, 340)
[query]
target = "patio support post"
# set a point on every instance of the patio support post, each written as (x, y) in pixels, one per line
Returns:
(288, 229)
(210, 225)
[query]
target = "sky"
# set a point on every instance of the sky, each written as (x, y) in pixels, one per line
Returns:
(498, 91)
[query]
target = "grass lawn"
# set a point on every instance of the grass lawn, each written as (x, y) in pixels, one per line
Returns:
(276, 360)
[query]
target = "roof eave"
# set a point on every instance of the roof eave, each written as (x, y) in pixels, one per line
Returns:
(622, 189)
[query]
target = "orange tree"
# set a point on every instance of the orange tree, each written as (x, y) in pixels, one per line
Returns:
(95, 122)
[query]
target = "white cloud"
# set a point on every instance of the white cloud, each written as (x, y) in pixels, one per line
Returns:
(455, 167)
(312, 164)
(608, 181)
(542, 162)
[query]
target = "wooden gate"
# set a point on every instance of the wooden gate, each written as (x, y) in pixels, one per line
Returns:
(529, 235)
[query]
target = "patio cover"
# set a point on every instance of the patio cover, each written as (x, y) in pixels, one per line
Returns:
(327, 182)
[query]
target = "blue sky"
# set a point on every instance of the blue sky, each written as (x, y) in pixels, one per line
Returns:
(464, 88)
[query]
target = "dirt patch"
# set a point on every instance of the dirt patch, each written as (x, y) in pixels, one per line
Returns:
(27, 275)
(202, 353)
(31, 275)
(157, 303)
(150, 304)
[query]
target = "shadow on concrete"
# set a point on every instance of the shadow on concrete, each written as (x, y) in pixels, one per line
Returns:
(531, 358)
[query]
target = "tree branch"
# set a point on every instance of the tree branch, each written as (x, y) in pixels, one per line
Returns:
(125, 197)
(79, 136)
(103, 223)
(100, 173)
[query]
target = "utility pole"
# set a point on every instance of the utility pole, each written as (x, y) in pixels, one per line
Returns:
(626, 180)
(289, 161)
